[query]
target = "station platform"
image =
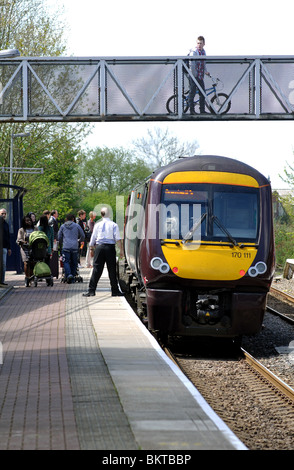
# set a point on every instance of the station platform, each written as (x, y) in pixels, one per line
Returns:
(83, 373)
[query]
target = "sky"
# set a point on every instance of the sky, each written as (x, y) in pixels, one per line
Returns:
(117, 28)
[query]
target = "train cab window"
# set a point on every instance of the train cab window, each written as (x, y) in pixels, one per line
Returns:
(191, 210)
(237, 210)
(183, 208)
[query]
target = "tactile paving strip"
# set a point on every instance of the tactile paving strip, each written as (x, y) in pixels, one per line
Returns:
(101, 422)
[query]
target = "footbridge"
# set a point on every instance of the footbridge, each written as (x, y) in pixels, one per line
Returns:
(89, 89)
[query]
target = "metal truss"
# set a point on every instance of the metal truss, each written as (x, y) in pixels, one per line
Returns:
(144, 88)
(31, 171)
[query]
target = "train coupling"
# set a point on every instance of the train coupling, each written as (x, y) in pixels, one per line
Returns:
(207, 311)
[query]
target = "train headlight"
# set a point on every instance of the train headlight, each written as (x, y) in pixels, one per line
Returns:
(259, 268)
(157, 263)
(164, 268)
(252, 271)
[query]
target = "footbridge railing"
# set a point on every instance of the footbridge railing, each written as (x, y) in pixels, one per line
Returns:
(144, 88)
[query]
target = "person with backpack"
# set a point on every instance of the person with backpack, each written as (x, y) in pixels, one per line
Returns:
(70, 235)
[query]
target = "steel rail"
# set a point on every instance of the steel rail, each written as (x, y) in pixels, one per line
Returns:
(282, 294)
(272, 378)
(281, 315)
(285, 296)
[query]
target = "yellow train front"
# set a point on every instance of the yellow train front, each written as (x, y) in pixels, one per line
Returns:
(202, 255)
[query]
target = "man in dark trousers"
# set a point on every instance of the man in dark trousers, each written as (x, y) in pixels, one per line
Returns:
(104, 237)
(6, 246)
(69, 236)
(198, 69)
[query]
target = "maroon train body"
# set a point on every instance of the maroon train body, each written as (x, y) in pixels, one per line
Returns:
(199, 248)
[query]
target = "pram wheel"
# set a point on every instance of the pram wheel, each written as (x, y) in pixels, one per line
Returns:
(49, 281)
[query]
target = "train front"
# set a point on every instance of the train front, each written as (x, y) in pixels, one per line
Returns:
(207, 259)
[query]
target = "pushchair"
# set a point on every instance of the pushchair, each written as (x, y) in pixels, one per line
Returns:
(38, 244)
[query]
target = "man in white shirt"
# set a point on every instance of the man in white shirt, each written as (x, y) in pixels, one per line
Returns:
(102, 246)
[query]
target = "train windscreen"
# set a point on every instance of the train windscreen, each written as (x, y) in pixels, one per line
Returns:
(209, 212)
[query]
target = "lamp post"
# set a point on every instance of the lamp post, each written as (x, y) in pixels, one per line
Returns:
(14, 136)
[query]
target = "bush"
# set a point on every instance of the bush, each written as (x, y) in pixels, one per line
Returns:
(284, 242)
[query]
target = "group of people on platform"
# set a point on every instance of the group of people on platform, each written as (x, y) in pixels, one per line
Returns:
(76, 237)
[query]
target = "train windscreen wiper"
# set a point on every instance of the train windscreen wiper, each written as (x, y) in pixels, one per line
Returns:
(226, 232)
(189, 234)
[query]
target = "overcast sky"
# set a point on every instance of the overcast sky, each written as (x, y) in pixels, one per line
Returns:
(170, 28)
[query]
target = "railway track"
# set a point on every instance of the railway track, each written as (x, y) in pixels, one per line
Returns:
(257, 405)
(281, 301)
(254, 397)
(283, 295)
(273, 379)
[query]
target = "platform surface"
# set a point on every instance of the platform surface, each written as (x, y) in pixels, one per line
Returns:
(82, 373)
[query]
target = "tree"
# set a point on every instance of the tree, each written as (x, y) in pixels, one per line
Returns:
(29, 26)
(288, 175)
(161, 147)
(284, 224)
(57, 188)
(112, 170)
(34, 30)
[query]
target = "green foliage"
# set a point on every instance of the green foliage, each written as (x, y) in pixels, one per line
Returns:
(35, 30)
(284, 226)
(29, 26)
(57, 187)
(93, 201)
(284, 242)
(112, 170)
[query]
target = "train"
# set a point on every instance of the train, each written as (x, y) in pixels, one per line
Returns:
(199, 248)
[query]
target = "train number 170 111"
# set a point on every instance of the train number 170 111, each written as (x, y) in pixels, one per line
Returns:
(241, 255)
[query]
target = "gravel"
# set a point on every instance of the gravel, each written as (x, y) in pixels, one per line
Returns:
(261, 421)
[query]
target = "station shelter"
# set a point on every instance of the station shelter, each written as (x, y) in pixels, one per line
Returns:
(11, 198)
